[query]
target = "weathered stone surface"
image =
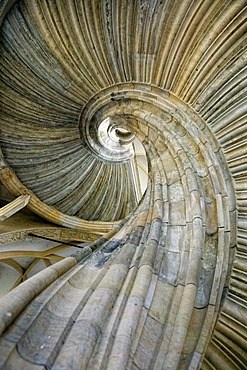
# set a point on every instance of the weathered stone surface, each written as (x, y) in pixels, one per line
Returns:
(78, 347)
(43, 348)
(144, 357)
(6, 347)
(170, 267)
(160, 304)
(17, 361)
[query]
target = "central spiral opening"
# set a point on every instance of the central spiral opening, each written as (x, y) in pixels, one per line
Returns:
(124, 135)
(111, 139)
(119, 134)
(120, 140)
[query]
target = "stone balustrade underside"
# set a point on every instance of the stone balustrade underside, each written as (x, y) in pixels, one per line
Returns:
(165, 287)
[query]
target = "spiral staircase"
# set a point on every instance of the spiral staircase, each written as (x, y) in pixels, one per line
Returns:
(94, 94)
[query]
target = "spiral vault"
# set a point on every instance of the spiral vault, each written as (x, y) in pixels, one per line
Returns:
(164, 286)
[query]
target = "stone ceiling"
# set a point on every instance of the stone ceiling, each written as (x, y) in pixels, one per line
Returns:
(164, 287)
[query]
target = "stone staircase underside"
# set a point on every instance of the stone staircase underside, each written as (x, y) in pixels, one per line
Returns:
(164, 285)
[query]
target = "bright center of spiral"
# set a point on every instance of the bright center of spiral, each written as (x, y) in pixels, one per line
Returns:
(108, 138)
(121, 135)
